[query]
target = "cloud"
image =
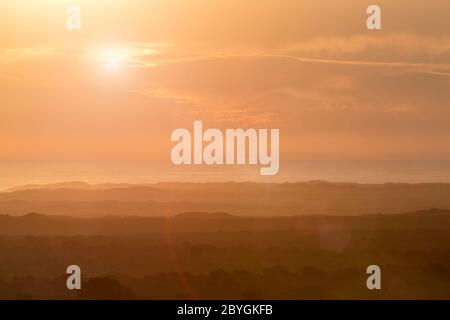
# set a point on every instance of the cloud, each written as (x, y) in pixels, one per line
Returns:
(336, 90)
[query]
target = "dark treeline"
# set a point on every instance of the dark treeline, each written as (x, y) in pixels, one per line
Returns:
(214, 256)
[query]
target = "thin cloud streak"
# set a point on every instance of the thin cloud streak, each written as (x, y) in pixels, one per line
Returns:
(306, 60)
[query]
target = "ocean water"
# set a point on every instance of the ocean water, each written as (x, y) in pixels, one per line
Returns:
(13, 174)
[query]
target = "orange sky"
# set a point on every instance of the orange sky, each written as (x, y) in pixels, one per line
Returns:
(137, 70)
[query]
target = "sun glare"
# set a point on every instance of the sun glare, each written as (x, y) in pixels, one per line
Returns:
(113, 58)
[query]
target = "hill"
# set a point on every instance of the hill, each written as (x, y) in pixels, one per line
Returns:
(244, 199)
(38, 224)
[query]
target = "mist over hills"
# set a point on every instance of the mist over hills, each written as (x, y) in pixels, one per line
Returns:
(243, 199)
(227, 240)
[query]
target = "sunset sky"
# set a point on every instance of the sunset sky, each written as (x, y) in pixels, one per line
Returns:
(137, 70)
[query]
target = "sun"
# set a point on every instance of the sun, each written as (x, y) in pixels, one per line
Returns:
(114, 58)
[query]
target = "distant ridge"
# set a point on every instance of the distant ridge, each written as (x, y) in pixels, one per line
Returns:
(203, 215)
(242, 199)
(37, 224)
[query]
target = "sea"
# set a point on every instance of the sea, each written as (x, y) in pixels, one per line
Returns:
(19, 173)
